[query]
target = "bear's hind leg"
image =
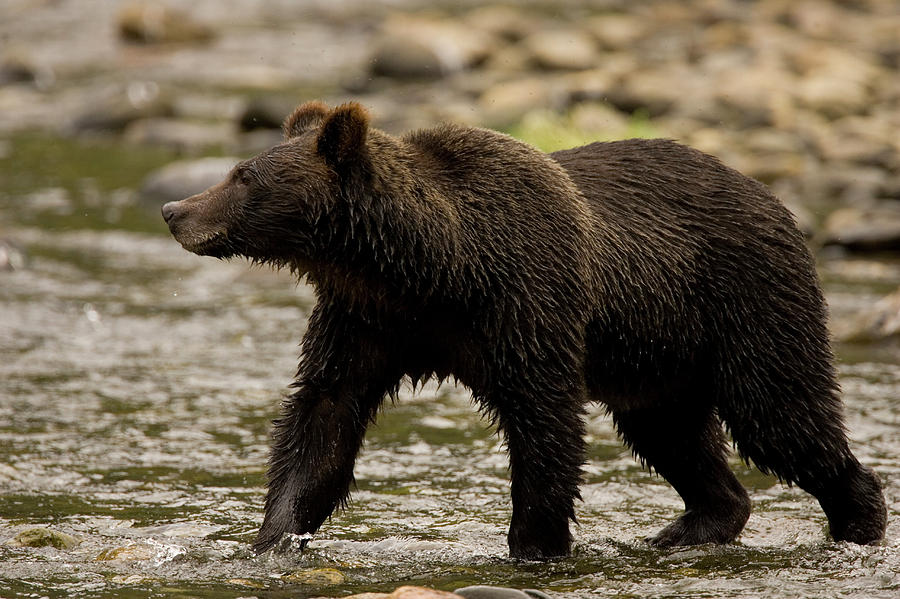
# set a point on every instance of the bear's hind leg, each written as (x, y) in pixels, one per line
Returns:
(686, 446)
(803, 441)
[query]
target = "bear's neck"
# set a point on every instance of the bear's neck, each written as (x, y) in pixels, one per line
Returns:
(395, 244)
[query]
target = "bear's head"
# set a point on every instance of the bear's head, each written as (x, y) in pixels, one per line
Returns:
(279, 206)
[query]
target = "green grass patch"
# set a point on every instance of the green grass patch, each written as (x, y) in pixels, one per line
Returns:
(550, 131)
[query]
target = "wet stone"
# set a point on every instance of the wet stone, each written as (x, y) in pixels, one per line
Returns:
(317, 577)
(128, 553)
(44, 537)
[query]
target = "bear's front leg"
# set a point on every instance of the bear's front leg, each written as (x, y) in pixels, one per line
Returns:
(544, 434)
(343, 378)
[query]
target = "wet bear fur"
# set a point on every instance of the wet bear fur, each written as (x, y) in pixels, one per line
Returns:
(639, 274)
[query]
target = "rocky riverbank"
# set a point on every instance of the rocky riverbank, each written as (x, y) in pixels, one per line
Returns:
(801, 95)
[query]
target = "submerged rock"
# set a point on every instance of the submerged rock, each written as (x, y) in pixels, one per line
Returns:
(317, 577)
(44, 537)
(128, 553)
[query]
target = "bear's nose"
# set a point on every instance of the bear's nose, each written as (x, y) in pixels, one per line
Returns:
(168, 211)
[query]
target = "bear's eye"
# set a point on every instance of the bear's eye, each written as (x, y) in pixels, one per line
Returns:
(244, 175)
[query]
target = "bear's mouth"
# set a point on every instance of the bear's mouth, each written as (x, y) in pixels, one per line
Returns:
(211, 244)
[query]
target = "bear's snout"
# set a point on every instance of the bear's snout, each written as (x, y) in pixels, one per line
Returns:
(196, 223)
(168, 211)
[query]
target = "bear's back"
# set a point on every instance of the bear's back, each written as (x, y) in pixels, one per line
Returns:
(522, 220)
(693, 254)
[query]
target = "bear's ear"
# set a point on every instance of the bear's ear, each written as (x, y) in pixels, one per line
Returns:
(305, 117)
(342, 138)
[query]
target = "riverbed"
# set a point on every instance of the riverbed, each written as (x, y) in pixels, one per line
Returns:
(137, 383)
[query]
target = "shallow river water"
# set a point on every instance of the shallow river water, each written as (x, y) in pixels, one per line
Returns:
(137, 383)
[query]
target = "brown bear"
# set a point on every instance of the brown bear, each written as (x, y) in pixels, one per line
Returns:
(639, 274)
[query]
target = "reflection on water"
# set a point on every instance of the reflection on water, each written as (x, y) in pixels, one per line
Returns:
(137, 382)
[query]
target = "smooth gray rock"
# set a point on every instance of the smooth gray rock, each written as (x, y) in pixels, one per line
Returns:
(115, 113)
(182, 179)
